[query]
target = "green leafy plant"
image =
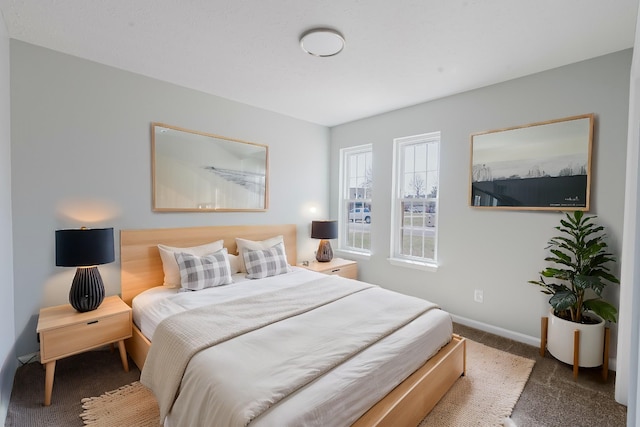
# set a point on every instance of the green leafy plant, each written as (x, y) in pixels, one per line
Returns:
(582, 275)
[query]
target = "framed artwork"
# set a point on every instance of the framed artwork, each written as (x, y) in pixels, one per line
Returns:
(198, 172)
(540, 166)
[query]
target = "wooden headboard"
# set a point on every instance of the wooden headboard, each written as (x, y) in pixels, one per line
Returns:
(141, 267)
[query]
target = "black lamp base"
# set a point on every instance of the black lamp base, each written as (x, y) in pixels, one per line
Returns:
(325, 253)
(87, 289)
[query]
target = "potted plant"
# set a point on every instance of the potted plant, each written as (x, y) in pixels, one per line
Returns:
(578, 279)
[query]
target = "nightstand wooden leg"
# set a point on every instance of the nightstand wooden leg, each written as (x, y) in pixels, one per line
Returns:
(123, 356)
(48, 382)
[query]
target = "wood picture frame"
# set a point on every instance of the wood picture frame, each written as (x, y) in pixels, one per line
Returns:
(539, 166)
(200, 172)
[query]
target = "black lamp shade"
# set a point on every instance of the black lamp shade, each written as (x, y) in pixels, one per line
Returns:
(324, 229)
(85, 248)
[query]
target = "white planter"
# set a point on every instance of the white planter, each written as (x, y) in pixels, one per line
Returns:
(560, 334)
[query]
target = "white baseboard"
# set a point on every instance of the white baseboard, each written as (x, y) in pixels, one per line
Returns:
(516, 336)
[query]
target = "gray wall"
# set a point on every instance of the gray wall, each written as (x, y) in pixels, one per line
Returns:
(8, 361)
(81, 156)
(492, 250)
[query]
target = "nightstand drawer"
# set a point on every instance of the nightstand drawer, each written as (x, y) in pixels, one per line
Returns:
(337, 267)
(348, 271)
(79, 337)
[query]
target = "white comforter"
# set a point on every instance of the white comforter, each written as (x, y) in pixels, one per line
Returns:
(236, 381)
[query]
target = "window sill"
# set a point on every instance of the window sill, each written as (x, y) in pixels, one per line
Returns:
(353, 254)
(425, 266)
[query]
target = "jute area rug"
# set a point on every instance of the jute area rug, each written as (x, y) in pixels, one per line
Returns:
(484, 397)
(132, 405)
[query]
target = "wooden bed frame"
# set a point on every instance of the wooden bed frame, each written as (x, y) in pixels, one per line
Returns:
(141, 269)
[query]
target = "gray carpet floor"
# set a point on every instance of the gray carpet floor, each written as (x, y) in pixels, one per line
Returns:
(83, 375)
(550, 398)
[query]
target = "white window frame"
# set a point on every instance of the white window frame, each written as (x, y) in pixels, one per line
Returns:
(346, 200)
(397, 211)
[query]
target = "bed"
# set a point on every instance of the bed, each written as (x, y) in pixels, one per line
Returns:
(406, 399)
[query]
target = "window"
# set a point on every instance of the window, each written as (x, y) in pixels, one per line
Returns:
(356, 212)
(415, 199)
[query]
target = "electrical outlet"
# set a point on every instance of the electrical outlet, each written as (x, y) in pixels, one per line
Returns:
(28, 358)
(478, 295)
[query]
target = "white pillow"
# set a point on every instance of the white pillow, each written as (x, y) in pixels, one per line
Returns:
(198, 273)
(266, 262)
(254, 245)
(170, 265)
(234, 262)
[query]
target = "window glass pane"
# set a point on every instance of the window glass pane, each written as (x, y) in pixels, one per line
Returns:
(420, 157)
(432, 184)
(356, 200)
(418, 231)
(416, 197)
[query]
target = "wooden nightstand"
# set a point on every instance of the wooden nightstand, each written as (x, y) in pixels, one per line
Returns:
(65, 332)
(337, 266)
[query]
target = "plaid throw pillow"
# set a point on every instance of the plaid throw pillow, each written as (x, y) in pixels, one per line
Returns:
(197, 273)
(170, 266)
(254, 245)
(266, 262)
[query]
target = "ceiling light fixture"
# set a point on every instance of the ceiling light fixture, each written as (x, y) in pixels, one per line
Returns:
(322, 42)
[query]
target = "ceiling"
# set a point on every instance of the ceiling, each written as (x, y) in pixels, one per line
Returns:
(398, 52)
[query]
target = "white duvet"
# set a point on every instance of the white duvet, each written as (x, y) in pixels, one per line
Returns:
(325, 357)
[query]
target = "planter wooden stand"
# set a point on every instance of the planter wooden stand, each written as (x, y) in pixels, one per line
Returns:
(544, 325)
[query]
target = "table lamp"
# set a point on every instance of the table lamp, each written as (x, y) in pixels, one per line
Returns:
(85, 248)
(324, 230)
